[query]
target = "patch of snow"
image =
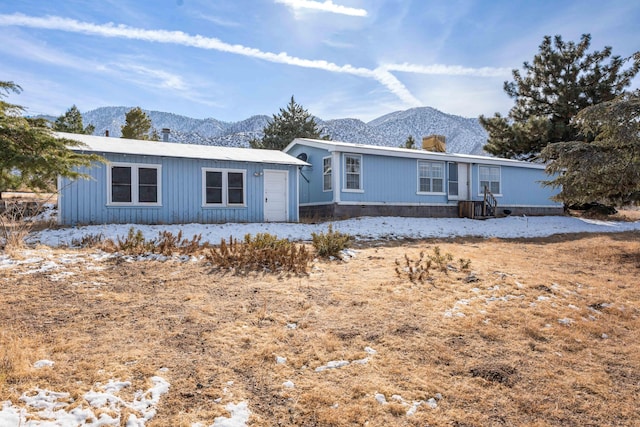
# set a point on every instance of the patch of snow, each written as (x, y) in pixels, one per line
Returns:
(43, 363)
(239, 416)
(363, 228)
(334, 364)
(51, 407)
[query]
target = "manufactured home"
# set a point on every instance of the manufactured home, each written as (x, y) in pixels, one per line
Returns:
(149, 182)
(349, 180)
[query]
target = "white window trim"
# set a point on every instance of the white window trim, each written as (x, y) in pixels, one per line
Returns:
(134, 184)
(324, 188)
(444, 180)
(481, 190)
(225, 188)
(344, 181)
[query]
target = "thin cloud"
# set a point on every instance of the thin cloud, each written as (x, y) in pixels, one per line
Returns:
(180, 38)
(326, 6)
(448, 70)
(382, 74)
(164, 79)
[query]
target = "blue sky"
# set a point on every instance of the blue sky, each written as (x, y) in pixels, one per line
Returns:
(233, 59)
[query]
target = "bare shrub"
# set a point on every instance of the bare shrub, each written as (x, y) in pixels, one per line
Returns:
(264, 252)
(135, 243)
(14, 229)
(419, 270)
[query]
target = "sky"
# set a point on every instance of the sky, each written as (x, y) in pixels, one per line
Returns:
(231, 60)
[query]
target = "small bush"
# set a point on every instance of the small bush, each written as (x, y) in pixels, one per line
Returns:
(264, 252)
(331, 243)
(419, 270)
(440, 260)
(88, 240)
(414, 270)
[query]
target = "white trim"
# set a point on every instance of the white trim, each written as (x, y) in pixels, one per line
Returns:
(325, 190)
(286, 191)
(337, 174)
(225, 188)
(452, 203)
(297, 196)
(333, 146)
(480, 191)
(135, 167)
(444, 180)
(360, 188)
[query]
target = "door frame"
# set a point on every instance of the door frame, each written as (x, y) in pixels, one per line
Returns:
(285, 173)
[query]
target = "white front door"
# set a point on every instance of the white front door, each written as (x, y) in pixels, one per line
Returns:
(275, 196)
(463, 181)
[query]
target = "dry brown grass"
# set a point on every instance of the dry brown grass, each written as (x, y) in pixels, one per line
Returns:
(548, 334)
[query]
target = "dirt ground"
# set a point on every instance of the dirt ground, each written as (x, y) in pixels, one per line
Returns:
(535, 332)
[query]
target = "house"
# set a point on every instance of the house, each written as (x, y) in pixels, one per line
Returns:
(349, 180)
(149, 182)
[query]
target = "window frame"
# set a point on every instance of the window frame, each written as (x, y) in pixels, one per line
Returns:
(135, 184)
(346, 173)
(499, 181)
(224, 203)
(326, 174)
(453, 166)
(431, 177)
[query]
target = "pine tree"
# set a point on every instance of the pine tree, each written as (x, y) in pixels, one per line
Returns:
(562, 80)
(71, 122)
(409, 143)
(31, 155)
(292, 122)
(607, 169)
(138, 126)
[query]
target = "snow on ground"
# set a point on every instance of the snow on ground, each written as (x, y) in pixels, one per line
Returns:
(101, 407)
(365, 228)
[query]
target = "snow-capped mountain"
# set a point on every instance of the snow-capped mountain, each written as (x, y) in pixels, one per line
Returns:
(463, 135)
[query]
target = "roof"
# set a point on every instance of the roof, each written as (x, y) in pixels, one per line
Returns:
(103, 144)
(347, 147)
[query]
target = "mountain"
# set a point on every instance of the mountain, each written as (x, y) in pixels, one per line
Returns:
(463, 135)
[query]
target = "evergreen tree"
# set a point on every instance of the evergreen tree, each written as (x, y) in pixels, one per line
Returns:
(71, 122)
(562, 80)
(606, 170)
(409, 143)
(292, 122)
(31, 155)
(138, 126)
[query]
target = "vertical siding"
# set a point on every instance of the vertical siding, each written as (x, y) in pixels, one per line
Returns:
(519, 187)
(311, 191)
(85, 201)
(389, 180)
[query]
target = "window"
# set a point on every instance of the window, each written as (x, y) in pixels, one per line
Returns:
(223, 187)
(490, 178)
(326, 174)
(430, 177)
(453, 179)
(353, 172)
(134, 184)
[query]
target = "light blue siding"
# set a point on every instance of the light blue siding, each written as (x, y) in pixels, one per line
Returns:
(86, 201)
(311, 179)
(389, 177)
(519, 186)
(389, 180)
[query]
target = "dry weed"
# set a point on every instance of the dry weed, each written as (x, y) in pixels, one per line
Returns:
(547, 335)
